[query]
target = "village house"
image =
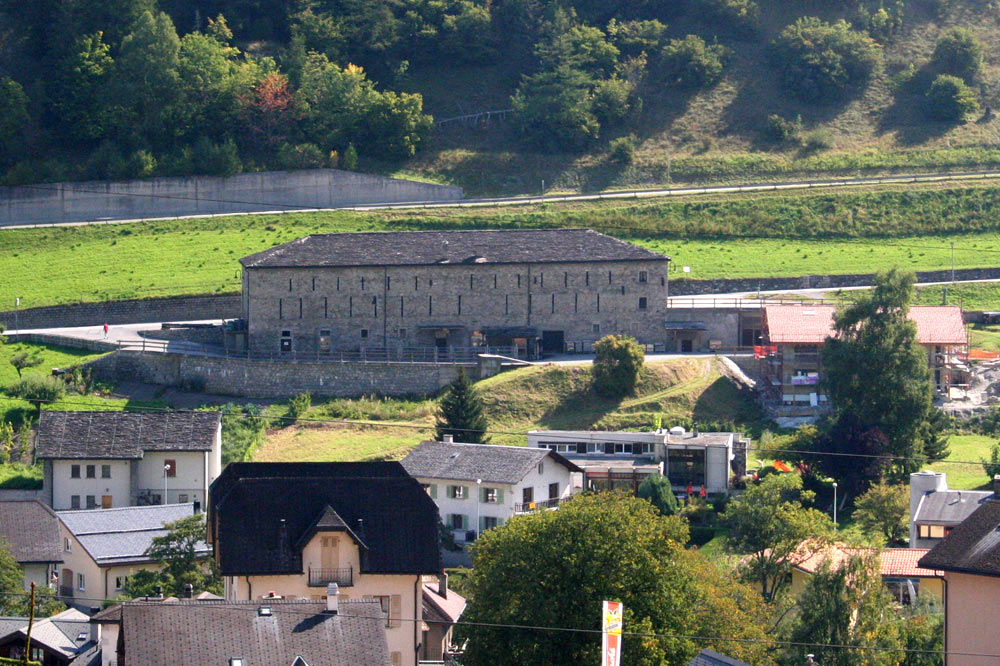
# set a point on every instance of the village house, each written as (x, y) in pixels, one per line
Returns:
(271, 632)
(970, 559)
(65, 639)
(480, 486)
(622, 460)
(31, 531)
(114, 459)
(291, 529)
(935, 510)
(793, 337)
(103, 547)
(522, 291)
(442, 608)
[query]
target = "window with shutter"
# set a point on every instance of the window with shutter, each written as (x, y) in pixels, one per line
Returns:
(397, 658)
(170, 466)
(395, 610)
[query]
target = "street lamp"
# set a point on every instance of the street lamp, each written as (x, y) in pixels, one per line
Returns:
(479, 501)
(834, 505)
(166, 470)
(17, 307)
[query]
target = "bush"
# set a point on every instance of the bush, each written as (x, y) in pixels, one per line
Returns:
(610, 99)
(950, 99)
(299, 156)
(552, 110)
(992, 466)
(37, 389)
(635, 37)
(781, 130)
(297, 407)
(741, 17)
(824, 61)
(350, 160)
(617, 363)
(691, 63)
(622, 149)
(818, 139)
(958, 53)
(656, 488)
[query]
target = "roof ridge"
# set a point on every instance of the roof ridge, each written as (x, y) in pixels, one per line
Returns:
(126, 508)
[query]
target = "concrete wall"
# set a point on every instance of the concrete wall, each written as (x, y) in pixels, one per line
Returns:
(276, 379)
(205, 195)
(973, 616)
(137, 311)
(189, 478)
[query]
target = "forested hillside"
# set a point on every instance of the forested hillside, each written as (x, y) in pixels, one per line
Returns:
(598, 93)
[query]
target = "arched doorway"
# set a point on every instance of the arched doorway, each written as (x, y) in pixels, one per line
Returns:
(66, 584)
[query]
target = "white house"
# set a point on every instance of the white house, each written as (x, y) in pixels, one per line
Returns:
(114, 459)
(31, 531)
(935, 509)
(479, 486)
(622, 460)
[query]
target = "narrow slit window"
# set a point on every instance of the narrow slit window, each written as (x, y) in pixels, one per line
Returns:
(300, 308)
(326, 307)
(460, 305)
(586, 278)
(506, 304)
(430, 305)
(576, 302)
(314, 284)
(281, 311)
(350, 306)
(553, 303)
(289, 284)
(565, 279)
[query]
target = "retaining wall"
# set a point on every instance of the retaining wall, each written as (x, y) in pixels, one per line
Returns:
(276, 379)
(207, 195)
(137, 311)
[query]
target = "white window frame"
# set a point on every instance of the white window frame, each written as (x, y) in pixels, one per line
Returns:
(81, 582)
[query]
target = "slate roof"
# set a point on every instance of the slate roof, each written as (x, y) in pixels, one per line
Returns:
(812, 324)
(467, 462)
(385, 508)
(31, 530)
(441, 610)
(949, 507)
(123, 435)
(469, 246)
(57, 633)
(196, 633)
(712, 658)
(973, 546)
(114, 536)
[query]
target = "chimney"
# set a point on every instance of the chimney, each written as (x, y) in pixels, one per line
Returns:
(197, 507)
(448, 439)
(95, 632)
(188, 590)
(996, 486)
(332, 599)
(443, 584)
(694, 430)
(158, 592)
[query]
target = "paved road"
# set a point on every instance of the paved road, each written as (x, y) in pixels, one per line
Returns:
(622, 194)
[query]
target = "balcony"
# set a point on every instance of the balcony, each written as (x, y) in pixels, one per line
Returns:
(540, 505)
(323, 577)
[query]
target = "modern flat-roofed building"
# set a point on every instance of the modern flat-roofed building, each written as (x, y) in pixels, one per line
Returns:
(527, 291)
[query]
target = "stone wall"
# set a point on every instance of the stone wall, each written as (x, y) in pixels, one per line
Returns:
(208, 195)
(206, 335)
(276, 379)
(137, 311)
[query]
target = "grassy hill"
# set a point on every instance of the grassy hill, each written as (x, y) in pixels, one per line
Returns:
(549, 397)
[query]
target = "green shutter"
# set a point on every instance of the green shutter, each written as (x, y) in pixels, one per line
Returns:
(499, 495)
(465, 522)
(465, 492)
(434, 491)
(482, 520)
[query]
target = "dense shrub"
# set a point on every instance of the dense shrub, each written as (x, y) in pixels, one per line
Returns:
(610, 99)
(824, 61)
(740, 17)
(691, 63)
(949, 98)
(622, 149)
(958, 53)
(298, 406)
(552, 110)
(299, 156)
(635, 37)
(617, 362)
(781, 130)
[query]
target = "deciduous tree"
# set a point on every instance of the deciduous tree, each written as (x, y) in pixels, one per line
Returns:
(883, 511)
(14, 601)
(23, 360)
(177, 552)
(618, 361)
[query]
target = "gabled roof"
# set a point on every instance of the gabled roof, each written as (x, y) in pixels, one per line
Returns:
(949, 507)
(203, 632)
(384, 507)
(903, 562)
(712, 658)
(469, 462)
(442, 610)
(973, 546)
(123, 435)
(467, 246)
(329, 521)
(113, 536)
(57, 633)
(812, 324)
(893, 562)
(31, 530)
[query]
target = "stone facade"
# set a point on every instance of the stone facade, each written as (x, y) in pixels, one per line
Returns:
(565, 306)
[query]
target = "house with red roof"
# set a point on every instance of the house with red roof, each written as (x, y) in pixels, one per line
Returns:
(793, 338)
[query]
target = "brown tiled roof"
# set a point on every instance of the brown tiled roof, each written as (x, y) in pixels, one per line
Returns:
(903, 562)
(939, 324)
(207, 632)
(973, 546)
(469, 246)
(31, 530)
(812, 324)
(442, 609)
(123, 435)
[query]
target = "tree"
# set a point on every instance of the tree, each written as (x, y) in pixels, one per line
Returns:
(992, 466)
(852, 453)
(958, 53)
(14, 601)
(656, 488)
(177, 552)
(460, 413)
(842, 606)
(771, 523)
(79, 91)
(691, 63)
(553, 110)
(949, 98)
(553, 569)
(14, 120)
(884, 511)
(37, 389)
(824, 61)
(23, 360)
(618, 361)
(877, 372)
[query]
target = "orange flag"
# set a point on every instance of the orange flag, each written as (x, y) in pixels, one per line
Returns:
(781, 467)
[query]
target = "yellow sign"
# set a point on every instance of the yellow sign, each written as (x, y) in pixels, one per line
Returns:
(613, 619)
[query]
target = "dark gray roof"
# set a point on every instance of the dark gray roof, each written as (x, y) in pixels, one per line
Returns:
(972, 547)
(57, 633)
(468, 462)
(123, 435)
(201, 632)
(949, 507)
(425, 248)
(124, 534)
(31, 531)
(387, 511)
(712, 658)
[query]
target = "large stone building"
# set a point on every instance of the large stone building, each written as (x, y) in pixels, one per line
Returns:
(530, 291)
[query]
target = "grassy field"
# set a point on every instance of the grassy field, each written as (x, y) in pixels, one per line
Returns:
(552, 397)
(21, 477)
(966, 475)
(755, 236)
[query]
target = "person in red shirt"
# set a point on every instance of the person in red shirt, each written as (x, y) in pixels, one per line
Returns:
(106, 329)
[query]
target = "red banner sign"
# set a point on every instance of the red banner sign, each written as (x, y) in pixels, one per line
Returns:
(611, 629)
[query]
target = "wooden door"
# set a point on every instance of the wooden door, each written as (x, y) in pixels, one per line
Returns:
(105, 501)
(330, 555)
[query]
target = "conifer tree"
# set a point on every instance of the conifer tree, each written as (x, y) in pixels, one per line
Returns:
(461, 413)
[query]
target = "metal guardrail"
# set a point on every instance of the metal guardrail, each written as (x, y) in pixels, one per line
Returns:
(708, 302)
(540, 505)
(322, 577)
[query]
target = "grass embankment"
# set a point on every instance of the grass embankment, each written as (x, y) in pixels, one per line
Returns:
(969, 474)
(747, 236)
(546, 397)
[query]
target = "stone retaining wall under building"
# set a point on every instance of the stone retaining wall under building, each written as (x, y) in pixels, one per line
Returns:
(135, 311)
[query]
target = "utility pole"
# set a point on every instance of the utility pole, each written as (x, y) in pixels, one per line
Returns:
(166, 469)
(953, 262)
(31, 621)
(17, 306)
(834, 505)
